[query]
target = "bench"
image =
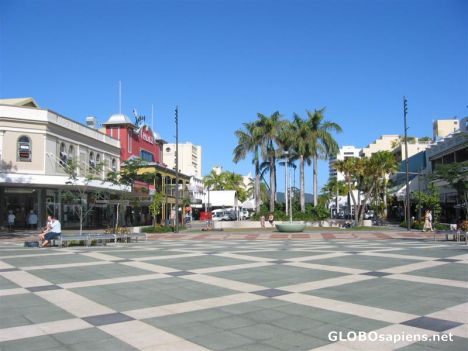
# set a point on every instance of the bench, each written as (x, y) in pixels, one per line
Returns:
(66, 238)
(104, 238)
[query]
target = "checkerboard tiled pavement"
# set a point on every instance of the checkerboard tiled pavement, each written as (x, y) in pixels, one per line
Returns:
(232, 295)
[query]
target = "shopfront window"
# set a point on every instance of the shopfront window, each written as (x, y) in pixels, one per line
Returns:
(24, 149)
(114, 165)
(146, 156)
(92, 161)
(63, 154)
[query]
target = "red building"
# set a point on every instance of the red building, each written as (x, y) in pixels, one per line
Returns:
(136, 141)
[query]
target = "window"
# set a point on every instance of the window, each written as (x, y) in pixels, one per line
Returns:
(168, 149)
(24, 149)
(71, 152)
(63, 154)
(92, 162)
(114, 165)
(130, 141)
(98, 159)
(146, 156)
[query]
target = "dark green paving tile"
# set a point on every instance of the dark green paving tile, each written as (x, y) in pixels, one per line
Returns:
(221, 341)
(261, 331)
(48, 260)
(403, 296)
(144, 253)
(370, 263)
(295, 341)
(37, 343)
(24, 251)
(458, 344)
(78, 336)
(156, 292)
(105, 271)
(435, 252)
(277, 276)
(25, 309)
(454, 271)
(254, 347)
(296, 323)
(197, 262)
(230, 322)
(7, 284)
(281, 254)
(101, 345)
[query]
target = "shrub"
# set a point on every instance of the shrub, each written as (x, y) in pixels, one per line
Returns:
(158, 229)
(442, 226)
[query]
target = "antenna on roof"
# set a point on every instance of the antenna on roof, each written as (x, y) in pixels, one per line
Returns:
(120, 97)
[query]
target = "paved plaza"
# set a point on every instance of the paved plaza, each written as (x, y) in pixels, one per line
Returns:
(179, 295)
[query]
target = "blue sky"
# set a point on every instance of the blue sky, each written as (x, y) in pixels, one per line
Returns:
(224, 61)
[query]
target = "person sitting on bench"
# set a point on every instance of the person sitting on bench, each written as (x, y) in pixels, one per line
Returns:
(53, 231)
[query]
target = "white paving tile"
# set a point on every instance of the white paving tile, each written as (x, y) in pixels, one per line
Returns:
(323, 267)
(24, 279)
(428, 280)
(14, 291)
(224, 283)
(349, 308)
(413, 267)
(110, 281)
(29, 331)
(65, 265)
(74, 303)
(325, 283)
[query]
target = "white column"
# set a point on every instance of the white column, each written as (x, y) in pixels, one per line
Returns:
(2, 132)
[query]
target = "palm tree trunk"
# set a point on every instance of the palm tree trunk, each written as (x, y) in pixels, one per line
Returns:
(315, 179)
(302, 192)
(272, 185)
(385, 198)
(257, 186)
(274, 177)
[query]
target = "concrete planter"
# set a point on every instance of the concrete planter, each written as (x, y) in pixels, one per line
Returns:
(290, 227)
(367, 223)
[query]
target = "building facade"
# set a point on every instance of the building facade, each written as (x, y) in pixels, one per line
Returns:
(35, 146)
(190, 158)
(443, 127)
(345, 152)
(384, 143)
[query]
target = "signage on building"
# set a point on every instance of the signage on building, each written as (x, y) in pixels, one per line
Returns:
(147, 135)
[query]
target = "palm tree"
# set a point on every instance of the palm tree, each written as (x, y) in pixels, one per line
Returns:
(321, 142)
(268, 128)
(249, 142)
(214, 181)
(302, 151)
(350, 167)
(386, 165)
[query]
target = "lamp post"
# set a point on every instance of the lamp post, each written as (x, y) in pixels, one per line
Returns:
(408, 209)
(286, 188)
(177, 170)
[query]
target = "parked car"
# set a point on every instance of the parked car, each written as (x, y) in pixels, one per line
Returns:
(244, 214)
(369, 214)
(220, 215)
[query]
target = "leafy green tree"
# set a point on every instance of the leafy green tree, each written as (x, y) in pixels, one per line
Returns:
(268, 128)
(455, 175)
(79, 188)
(226, 181)
(322, 145)
(125, 179)
(156, 205)
(249, 142)
(429, 200)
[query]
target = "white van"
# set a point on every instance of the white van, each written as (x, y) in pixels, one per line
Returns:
(219, 215)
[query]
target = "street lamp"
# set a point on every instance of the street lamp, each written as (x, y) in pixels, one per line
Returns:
(286, 189)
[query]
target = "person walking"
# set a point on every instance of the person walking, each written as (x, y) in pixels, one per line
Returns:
(11, 220)
(262, 221)
(53, 231)
(32, 220)
(428, 221)
(271, 219)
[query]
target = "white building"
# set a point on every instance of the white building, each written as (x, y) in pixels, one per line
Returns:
(384, 143)
(344, 153)
(190, 158)
(35, 144)
(443, 127)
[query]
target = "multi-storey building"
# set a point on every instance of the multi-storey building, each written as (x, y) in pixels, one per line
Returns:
(190, 158)
(345, 152)
(443, 127)
(384, 143)
(35, 146)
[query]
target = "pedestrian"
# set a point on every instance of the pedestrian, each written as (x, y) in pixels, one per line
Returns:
(11, 220)
(428, 221)
(271, 219)
(53, 231)
(32, 220)
(262, 221)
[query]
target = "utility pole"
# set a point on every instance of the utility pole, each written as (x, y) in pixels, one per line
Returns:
(177, 170)
(408, 209)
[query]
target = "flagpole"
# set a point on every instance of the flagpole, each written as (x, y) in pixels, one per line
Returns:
(152, 117)
(120, 97)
